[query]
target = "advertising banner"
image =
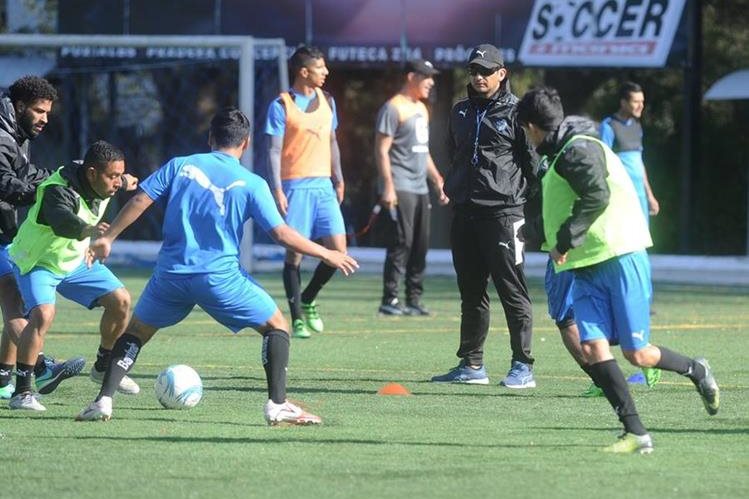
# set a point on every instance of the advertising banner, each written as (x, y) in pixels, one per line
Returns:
(385, 32)
(600, 32)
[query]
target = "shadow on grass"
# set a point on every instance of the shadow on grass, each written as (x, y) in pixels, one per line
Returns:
(654, 429)
(314, 441)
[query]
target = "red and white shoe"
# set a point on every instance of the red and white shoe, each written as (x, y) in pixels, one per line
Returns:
(288, 413)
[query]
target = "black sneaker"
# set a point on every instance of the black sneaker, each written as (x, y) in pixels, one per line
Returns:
(416, 308)
(392, 307)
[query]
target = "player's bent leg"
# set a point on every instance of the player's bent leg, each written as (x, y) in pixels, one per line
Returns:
(643, 357)
(29, 346)
(113, 323)
(14, 321)
(605, 373)
(323, 273)
(114, 319)
(275, 356)
(646, 358)
(571, 340)
(698, 371)
(124, 354)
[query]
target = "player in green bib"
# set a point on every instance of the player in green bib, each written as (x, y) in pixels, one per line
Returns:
(49, 255)
(592, 226)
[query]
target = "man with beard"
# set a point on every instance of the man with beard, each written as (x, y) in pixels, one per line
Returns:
(23, 116)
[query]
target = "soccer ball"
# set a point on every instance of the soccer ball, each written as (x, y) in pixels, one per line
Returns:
(178, 387)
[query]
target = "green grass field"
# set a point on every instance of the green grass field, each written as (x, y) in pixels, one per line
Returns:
(444, 441)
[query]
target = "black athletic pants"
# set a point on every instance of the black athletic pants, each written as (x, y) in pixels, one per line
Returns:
(407, 244)
(485, 246)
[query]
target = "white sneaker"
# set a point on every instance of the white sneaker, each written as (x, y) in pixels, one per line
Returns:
(288, 413)
(26, 401)
(100, 410)
(126, 386)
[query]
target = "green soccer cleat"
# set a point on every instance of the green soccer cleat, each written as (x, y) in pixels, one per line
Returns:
(629, 444)
(299, 330)
(6, 392)
(708, 388)
(312, 317)
(652, 376)
(592, 391)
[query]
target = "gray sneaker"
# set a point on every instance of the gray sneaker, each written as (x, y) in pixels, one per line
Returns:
(26, 401)
(392, 307)
(126, 386)
(708, 389)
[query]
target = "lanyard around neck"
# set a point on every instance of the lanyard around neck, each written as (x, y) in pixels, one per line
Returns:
(479, 118)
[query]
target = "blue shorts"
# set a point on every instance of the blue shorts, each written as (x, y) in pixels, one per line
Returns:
(6, 264)
(612, 301)
(233, 298)
(313, 209)
(83, 285)
(559, 288)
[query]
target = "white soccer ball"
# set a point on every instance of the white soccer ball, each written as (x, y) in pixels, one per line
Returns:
(178, 387)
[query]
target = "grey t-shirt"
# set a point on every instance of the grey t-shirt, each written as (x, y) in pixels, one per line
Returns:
(408, 123)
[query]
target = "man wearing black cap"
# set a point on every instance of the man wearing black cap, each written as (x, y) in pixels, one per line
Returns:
(403, 164)
(492, 170)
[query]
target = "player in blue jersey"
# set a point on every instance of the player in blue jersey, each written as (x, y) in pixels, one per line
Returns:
(622, 132)
(306, 178)
(592, 227)
(209, 197)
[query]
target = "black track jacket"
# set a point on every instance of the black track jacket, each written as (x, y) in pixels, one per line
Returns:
(505, 172)
(18, 177)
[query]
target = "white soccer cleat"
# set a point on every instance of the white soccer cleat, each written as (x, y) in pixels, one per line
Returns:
(288, 413)
(26, 401)
(100, 410)
(126, 386)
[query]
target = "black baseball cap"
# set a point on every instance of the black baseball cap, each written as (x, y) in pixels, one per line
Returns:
(486, 55)
(421, 67)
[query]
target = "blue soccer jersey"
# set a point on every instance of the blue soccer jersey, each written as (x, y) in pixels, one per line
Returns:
(209, 197)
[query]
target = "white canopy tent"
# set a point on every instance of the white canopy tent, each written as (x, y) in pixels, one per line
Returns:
(732, 86)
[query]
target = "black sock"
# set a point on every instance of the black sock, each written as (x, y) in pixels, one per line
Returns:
(102, 359)
(586, 368)
(124, 354)
(610, 379)
(322, 275)
(23, 377)
(680, 364)
(6, 373)
(292, 283)
(40, 367)
(275, 356)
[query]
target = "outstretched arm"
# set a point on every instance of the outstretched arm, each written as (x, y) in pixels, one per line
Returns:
(101, 247)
